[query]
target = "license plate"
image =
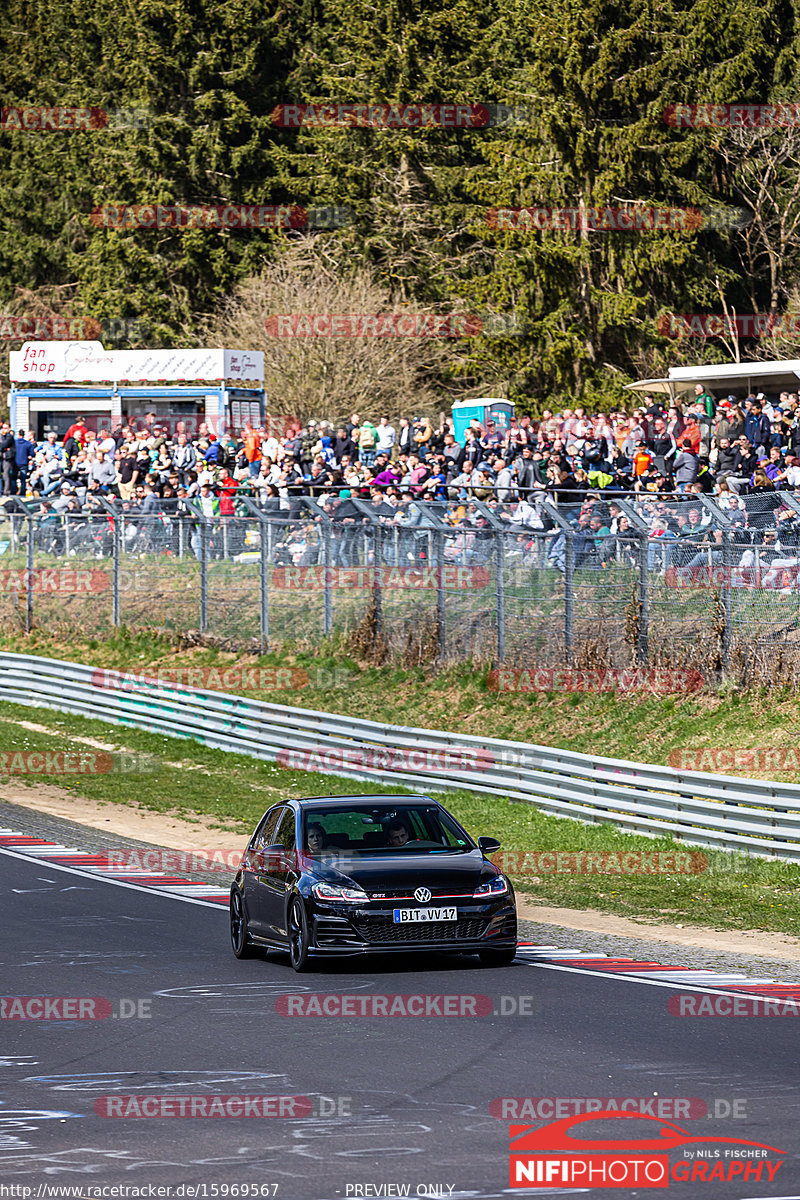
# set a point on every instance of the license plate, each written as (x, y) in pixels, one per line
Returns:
(402, 916)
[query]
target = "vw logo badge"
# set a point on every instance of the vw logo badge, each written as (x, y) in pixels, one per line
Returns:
(423, 895)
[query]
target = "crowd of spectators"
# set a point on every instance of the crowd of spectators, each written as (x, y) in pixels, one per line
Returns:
(660, 456)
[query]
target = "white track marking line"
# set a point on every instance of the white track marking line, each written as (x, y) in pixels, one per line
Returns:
(690, 987)
(155, 889)
(152, 890)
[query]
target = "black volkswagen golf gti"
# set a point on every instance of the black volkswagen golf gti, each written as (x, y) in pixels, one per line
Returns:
(370, 874)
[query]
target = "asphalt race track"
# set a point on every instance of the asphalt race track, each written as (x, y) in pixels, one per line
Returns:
(406, 1099)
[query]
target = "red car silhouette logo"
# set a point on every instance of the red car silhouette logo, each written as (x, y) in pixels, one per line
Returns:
(556, 1136)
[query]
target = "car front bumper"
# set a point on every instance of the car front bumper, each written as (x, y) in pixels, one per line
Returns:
(335, 930)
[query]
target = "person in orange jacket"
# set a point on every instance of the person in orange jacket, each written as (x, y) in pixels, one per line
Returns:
(252, 450)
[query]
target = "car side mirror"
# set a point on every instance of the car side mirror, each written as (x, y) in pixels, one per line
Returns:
(270, 857)
(488, 845)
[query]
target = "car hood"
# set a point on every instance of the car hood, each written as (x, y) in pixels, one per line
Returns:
(392, 873)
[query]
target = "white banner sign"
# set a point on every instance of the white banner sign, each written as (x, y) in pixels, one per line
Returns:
(88, 362)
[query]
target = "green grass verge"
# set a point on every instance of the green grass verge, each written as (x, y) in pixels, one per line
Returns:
(232, 790)
(638, 726)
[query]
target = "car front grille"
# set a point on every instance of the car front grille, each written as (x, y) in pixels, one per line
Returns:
(382, 930)
(408, 894)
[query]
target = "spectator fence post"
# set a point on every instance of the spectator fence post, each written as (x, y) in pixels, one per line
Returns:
(441, 630)
(639, 526)
(327, 616)
(569, 595)
(263, 582)
(65, 522)
(727, 569)
(204, 539)
(500, 593)
(181, 536)
(569, 572)
(644, 598)
(29, 577)
(265, 525)
(116, 547)
(722, 521)
(377, 597)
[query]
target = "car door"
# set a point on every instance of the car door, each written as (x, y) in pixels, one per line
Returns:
(281, 872)
(257, 867)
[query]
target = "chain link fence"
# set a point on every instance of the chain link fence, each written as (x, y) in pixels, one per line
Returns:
(665, 580)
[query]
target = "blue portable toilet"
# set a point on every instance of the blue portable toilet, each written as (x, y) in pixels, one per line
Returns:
(487, 408)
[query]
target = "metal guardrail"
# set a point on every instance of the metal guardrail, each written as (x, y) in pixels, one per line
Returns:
(723, 812)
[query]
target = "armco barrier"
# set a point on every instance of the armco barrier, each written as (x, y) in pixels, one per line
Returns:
(725, 812)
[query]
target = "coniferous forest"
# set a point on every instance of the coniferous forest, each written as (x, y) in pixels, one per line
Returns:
(195, 87)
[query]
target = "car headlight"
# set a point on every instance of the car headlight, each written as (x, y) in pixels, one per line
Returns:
(493, 887)
(333, 891)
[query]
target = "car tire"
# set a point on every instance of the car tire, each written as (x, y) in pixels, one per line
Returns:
(240, 941)
(298, 936)
(498, 958)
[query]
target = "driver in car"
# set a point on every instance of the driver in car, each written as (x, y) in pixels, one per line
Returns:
(317, 838)
(397, 834)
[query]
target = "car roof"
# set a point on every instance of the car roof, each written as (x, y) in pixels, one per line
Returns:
(361, 799)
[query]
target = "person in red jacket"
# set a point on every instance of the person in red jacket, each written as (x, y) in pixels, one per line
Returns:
(642, 459)
(226, 487)
(692, 433)
(78, 431)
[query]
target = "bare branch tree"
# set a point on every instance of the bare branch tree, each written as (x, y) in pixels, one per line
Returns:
(764, 168)
(332, 376)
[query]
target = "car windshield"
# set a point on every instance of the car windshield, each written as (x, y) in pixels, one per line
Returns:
(384, 829)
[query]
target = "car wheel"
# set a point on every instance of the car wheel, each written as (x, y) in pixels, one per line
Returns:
(298, 936)
(240, 942)
(498, 958)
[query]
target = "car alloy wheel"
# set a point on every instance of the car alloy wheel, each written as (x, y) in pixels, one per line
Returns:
(240, 941)
(298, 935)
